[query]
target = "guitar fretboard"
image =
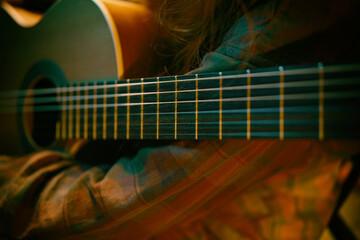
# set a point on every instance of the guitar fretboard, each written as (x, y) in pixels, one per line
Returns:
(313, 102)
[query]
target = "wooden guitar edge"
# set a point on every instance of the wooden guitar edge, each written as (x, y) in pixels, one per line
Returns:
(22, 16)
(132, 28)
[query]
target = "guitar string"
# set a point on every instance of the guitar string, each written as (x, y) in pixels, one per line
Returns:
(297, 96)
(287, 72)
(300, 96)
(310, 109)
(304, 123)
(308, 121)
(305, 110)
(234, 125)
(311, 133)
(184, 111)
(268, 86)
(260, 127)
(44, 100)
(301, 109)
(272, 126)
(295, 123)
(273, 120)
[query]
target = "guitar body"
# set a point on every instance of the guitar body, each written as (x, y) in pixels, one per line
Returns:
(74, 41)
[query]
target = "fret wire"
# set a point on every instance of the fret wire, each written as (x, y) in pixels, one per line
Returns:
(86, 101)
(175, 124)
(248, 105)
(58, 124)
(78, 112)
(128, 111)
(104, 114)
(196, 106)
(220, 105)
(64, 110)
(57, 135)
(115, 113)
(70, 116)
(281, 104)
(94, 133)
(321, 101)
(157, 109)
(142, 110)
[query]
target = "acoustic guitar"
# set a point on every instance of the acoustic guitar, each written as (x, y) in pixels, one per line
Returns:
(66, 75)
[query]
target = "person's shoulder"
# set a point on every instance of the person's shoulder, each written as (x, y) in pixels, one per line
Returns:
(274, 25)
(233, 52)
(247, 29)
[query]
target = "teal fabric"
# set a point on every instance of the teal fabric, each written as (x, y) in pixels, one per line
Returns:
(288, 32)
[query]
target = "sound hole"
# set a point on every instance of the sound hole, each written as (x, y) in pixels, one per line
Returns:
(45, 114)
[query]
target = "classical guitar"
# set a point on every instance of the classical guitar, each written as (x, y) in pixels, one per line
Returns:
(62, 78)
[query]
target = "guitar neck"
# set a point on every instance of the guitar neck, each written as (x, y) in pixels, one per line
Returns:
(313, 102)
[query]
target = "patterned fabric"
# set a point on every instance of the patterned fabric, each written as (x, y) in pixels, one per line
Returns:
(227, 189)
(231, 189)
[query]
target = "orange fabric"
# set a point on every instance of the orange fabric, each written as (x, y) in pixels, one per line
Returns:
(255, 189)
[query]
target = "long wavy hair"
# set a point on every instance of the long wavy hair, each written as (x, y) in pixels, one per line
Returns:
(192, 27)
(196, 27)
